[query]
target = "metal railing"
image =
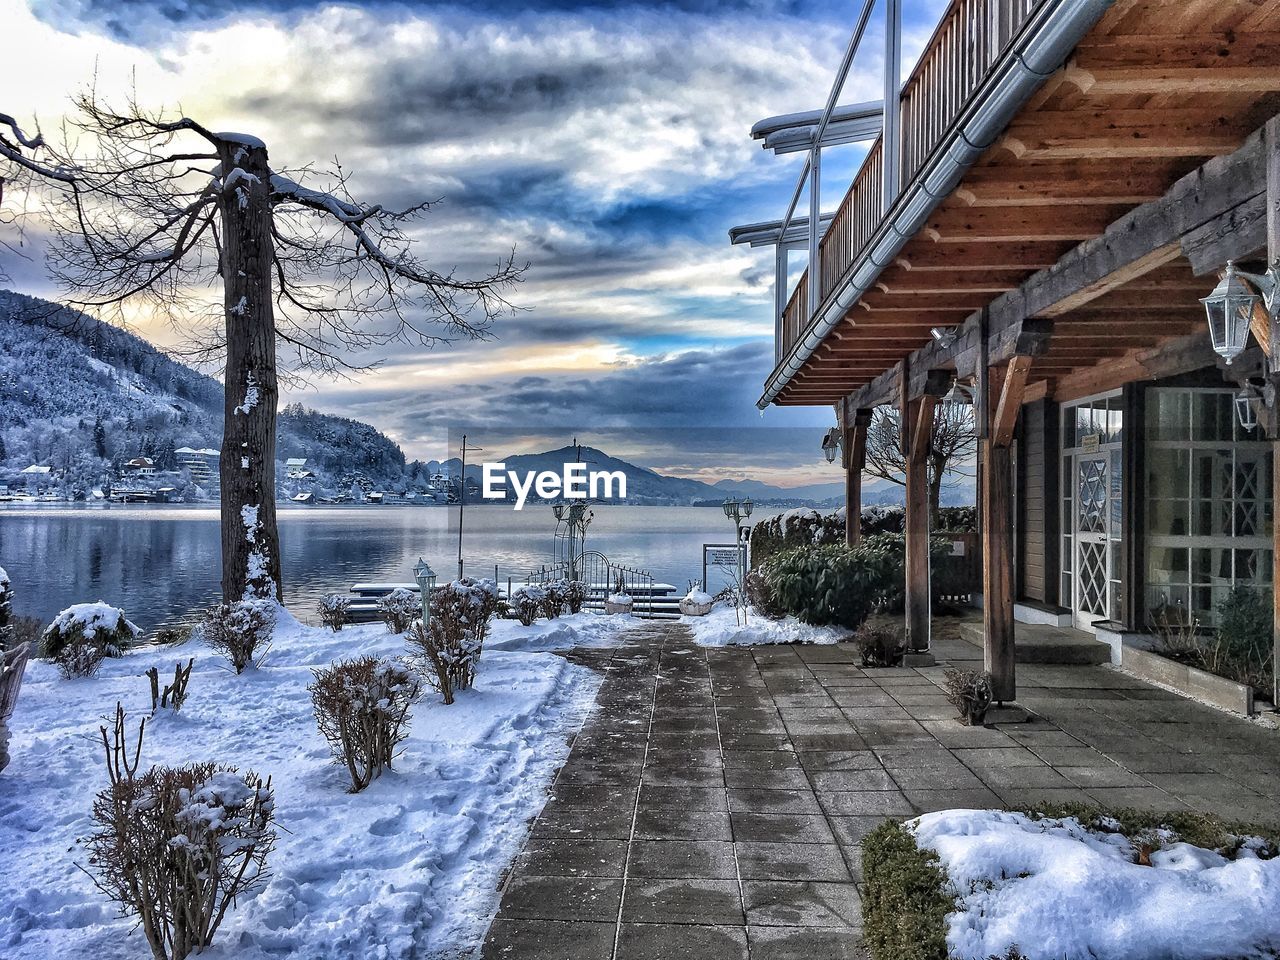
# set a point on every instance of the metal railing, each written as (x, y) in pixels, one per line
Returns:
(968, 42)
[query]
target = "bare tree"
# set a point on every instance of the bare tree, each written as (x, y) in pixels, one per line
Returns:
(156, 209)
(953, 444)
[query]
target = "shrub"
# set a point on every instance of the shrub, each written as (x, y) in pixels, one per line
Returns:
(905, 908)
(85, 634)
(362, 709)
(527, 602)
(174, 695)
(761, 596)
(333, 610)
(177, 846)
(880, 646)
(450, 647)
(794, 529)
(576, 595)
(969, 692)
(8, 633)
(175, 635)
(399, 608)
(555, 596)
(237, 630)
(1242, 647)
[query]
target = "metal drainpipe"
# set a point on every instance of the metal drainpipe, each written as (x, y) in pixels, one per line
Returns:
(1054, 33)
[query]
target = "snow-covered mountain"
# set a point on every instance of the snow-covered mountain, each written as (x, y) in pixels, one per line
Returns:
(84, 397)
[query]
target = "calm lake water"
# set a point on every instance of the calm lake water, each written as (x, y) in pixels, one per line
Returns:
(161, 562)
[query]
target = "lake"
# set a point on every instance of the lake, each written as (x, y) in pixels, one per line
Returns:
(161, 562)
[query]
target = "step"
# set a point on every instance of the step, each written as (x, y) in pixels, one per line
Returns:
(1041, 643)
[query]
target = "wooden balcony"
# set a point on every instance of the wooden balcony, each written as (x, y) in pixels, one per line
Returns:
(967, 43)
(1151, 91)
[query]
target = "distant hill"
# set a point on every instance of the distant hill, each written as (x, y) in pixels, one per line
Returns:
(767, 491)
(83, 397)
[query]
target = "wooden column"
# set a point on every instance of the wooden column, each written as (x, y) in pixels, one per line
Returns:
(997, 528)
(917, 419)
(855, 460)
(1272, 147)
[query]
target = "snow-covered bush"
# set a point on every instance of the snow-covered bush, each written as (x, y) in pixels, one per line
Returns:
(13, 664)
(241, 630)
(399, 608)
(526, 602)
(85, 634)
(556, 596)
(795, 528)
(450, 647)
(176, 846)
(7, 629)
(333, 610)
(576, 595)
(761, 596)
(362, 709)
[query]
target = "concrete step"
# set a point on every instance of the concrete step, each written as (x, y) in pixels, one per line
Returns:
(1040, 643)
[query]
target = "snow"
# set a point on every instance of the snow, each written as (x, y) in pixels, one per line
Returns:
(698, 595)
(4, 579)
(1058, 889)
(619, 598)
(720, 628)
(244, 139)
(407, 868)
(251, 395)
(241, 306)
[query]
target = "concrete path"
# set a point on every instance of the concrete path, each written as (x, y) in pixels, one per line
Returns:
(713, 804)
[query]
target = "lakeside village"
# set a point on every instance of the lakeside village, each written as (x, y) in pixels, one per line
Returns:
(190, 475)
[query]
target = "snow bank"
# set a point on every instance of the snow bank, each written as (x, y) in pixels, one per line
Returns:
(408, 868)
(1059, 890)
(720, 628)
(572, 630)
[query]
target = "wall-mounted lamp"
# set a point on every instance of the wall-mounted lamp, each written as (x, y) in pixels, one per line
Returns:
(1231, 305)
(831, 444)
(945, 336)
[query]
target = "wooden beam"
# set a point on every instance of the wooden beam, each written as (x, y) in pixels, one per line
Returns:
(1235, 234)
(1005, 418)
(1126, 274)
(1157, 79)
(1020, 224)
(1272, 147)
(983, 256)
(919, 593)
(1111, 134)
(998, 652)
(1160, 360)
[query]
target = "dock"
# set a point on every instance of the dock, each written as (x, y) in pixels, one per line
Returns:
(659, 601)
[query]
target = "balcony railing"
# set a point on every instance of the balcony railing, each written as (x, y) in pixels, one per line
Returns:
(966, 45)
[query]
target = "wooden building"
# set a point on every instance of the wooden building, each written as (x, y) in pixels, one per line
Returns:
(1055, 189)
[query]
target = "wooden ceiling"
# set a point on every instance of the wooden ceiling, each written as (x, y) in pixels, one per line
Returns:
(1156, 89)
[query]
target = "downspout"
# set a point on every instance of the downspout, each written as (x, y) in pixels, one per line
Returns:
(1046, 42)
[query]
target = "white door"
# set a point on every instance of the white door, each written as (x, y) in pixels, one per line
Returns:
(1092, 535)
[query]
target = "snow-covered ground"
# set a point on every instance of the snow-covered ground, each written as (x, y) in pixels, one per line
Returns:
(408, 868)
(722, 628)
(1059, 890)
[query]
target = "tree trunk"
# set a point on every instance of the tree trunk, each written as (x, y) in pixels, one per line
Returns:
(250, 540)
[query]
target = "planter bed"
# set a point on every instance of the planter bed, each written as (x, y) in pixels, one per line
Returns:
(1070, 883)
(1188, 680)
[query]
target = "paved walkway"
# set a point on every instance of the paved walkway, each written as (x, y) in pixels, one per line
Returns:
(713, 804)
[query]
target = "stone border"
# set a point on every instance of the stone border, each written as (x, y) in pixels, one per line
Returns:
(1191, 681)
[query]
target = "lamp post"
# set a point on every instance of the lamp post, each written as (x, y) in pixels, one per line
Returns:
(426, 578)
(737, 511)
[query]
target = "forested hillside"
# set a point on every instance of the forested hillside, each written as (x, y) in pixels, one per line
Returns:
(83, 397)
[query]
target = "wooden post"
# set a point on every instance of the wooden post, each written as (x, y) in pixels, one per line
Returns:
(918, 419)
(1271, 144)
(997, 530)
(855, 460)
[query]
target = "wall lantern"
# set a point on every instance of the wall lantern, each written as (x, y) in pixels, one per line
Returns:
(1230, 308)
(1246, 406)
(426, 578)
(946, 336)
(831, 444)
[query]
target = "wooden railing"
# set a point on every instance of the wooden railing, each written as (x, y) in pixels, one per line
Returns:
(967, 43)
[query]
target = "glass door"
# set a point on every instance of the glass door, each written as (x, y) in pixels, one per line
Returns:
(1092, 541)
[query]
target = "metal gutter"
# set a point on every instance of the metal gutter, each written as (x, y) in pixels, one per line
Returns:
(1043, 45)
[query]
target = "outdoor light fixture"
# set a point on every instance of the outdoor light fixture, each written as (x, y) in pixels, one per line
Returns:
(1246, 406)
(1230, 308)
(831, 444)
(946, 336)
(426, 578)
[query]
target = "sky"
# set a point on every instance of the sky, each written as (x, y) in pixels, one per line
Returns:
(606, 143)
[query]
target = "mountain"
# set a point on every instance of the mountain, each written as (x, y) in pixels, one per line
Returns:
(84, 397)
(767, 491)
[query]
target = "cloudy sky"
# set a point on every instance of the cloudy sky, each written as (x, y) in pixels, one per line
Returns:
(607, 143)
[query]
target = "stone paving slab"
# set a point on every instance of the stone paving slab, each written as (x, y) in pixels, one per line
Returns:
(714, 802)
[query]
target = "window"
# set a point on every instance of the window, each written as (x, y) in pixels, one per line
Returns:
(1208, 511)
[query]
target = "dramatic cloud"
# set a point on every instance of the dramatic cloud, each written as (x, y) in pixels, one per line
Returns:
(606, 143)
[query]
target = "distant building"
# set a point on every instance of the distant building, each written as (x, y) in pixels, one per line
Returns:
(305, 498)
(295, 468)
(203, 464)
(142, 466)
(35, 470)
